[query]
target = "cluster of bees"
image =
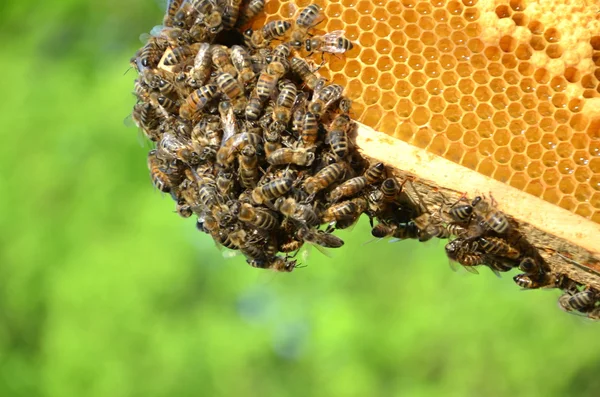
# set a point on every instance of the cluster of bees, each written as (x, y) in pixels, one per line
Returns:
(481, 235)
(254, 143)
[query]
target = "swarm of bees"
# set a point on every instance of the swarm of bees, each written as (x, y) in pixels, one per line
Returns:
(250, 139)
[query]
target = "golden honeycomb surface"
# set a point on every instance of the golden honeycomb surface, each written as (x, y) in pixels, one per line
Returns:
(510, 89)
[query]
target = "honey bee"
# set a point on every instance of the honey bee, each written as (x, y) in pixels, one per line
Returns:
(349, 188)
(240, 58)
(497, 246)
(324, 178)
(179, 54)
(346, 211)
(231, 12)
(310, 130)
(496, 221)
(197, 100)
(375, 173)
(530, 267)
(259, 218)
(543, 280)
(324, 98)
(253, 8)
(304, 22)
(172, 8)
(463, 213)
(332, 42)
(240, 141)
(222, 61)
(183, 209)
(201, 68)
(580, 301)
(272, 139)
(225, 183)
(262, 37)
(149, 55)
(300, 67)
(160, 179)
(319, 237)
(232, 90)
(261, 58)
(438, 230)
(271, 190)
(253, 108)
(145, 116)
(390, 190)
(166, 104)
(248, 172)
(301, 213)
(298, 156)
(276, 263)
(287, 96)
(213, 21)
(345, 105)
(498, 264)
(337, 138)
(174, 36)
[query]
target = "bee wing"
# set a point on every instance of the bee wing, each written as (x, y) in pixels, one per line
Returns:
(471, 269)
(228, 126)
(330, 41)
(201, 56)
(156, 31)
(144, 37)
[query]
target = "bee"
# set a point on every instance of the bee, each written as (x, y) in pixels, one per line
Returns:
(179, 54)
(310, 130)
(332, 42)
(498, 264)
(225, 183)
(240, 141)
(253, 8)
(580, 301)
(285, 101)
(240, 58)
(284, 156)
(200, 71)
(280, 54)
(272, 139)
(172, 7)
(300, 67)
(324, 98)
(337, 138)
(146, 116)
(222, 61)
(319, 237)
(381, 230)
(166, 104)
(290, 245)
(248, 173)
(346, 211)
(496, 221)
(349, 188)
(345, 105)
(174, 36)
(304, 22)
(213, 21)
(183, 209)
(301, 213)
(149, 56)
(159, 178)
(234, 241)
(197, 100)
(438, 230)
(262, 37)
(271, 190)
(530, 267)
(463, 213)
(261, 58)
(265, 85)
(276, 263)
(253, 108)
(231, 12)
(390, 190)
(543, 280)
(324, 178)
(375, 173)
(259, 218)
(232, 90)
(497, 246)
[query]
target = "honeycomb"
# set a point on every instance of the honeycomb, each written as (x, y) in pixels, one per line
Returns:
(506, 88)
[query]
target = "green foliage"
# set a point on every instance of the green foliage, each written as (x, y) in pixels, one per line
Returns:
(107, 292)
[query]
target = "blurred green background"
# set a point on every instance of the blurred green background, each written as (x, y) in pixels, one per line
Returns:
(106, 292)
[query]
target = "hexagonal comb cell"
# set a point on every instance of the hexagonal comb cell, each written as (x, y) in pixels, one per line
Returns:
(507, 91)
